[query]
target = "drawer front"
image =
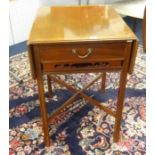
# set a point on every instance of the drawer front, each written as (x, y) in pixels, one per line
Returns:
(82, 66)
(82, 52)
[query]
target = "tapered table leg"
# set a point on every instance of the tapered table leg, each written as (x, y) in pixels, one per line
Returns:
(103, 82)
(121, 95)
(120, 102)
(43, 110)
(49, 86)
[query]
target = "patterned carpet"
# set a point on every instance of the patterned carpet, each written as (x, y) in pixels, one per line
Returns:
(81, 129)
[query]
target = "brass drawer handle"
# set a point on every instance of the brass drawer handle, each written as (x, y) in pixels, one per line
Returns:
(74, 51)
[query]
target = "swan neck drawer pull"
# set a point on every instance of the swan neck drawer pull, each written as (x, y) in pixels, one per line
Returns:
(89, 51)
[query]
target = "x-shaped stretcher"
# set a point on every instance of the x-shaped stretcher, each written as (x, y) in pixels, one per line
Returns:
(76, 94)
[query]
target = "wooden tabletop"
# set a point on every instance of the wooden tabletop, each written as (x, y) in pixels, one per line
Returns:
(78, 23)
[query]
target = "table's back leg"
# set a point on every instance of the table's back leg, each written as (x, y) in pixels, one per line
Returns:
(103, 82)
(49, 86)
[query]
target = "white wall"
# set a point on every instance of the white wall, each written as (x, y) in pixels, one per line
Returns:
(11, 42)
(58, 2)
(22, 14)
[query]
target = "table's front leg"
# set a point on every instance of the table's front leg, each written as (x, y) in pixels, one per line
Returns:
(121, 94)
(38, 70)
(43, 110)
(120, 105)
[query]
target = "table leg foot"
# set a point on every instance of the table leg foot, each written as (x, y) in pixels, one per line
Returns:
(48, 143)
(116, 135)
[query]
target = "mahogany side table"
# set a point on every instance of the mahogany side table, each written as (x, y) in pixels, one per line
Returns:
(81, 39)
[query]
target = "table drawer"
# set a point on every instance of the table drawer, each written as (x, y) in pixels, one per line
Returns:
(82, 66)
(82, 52)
